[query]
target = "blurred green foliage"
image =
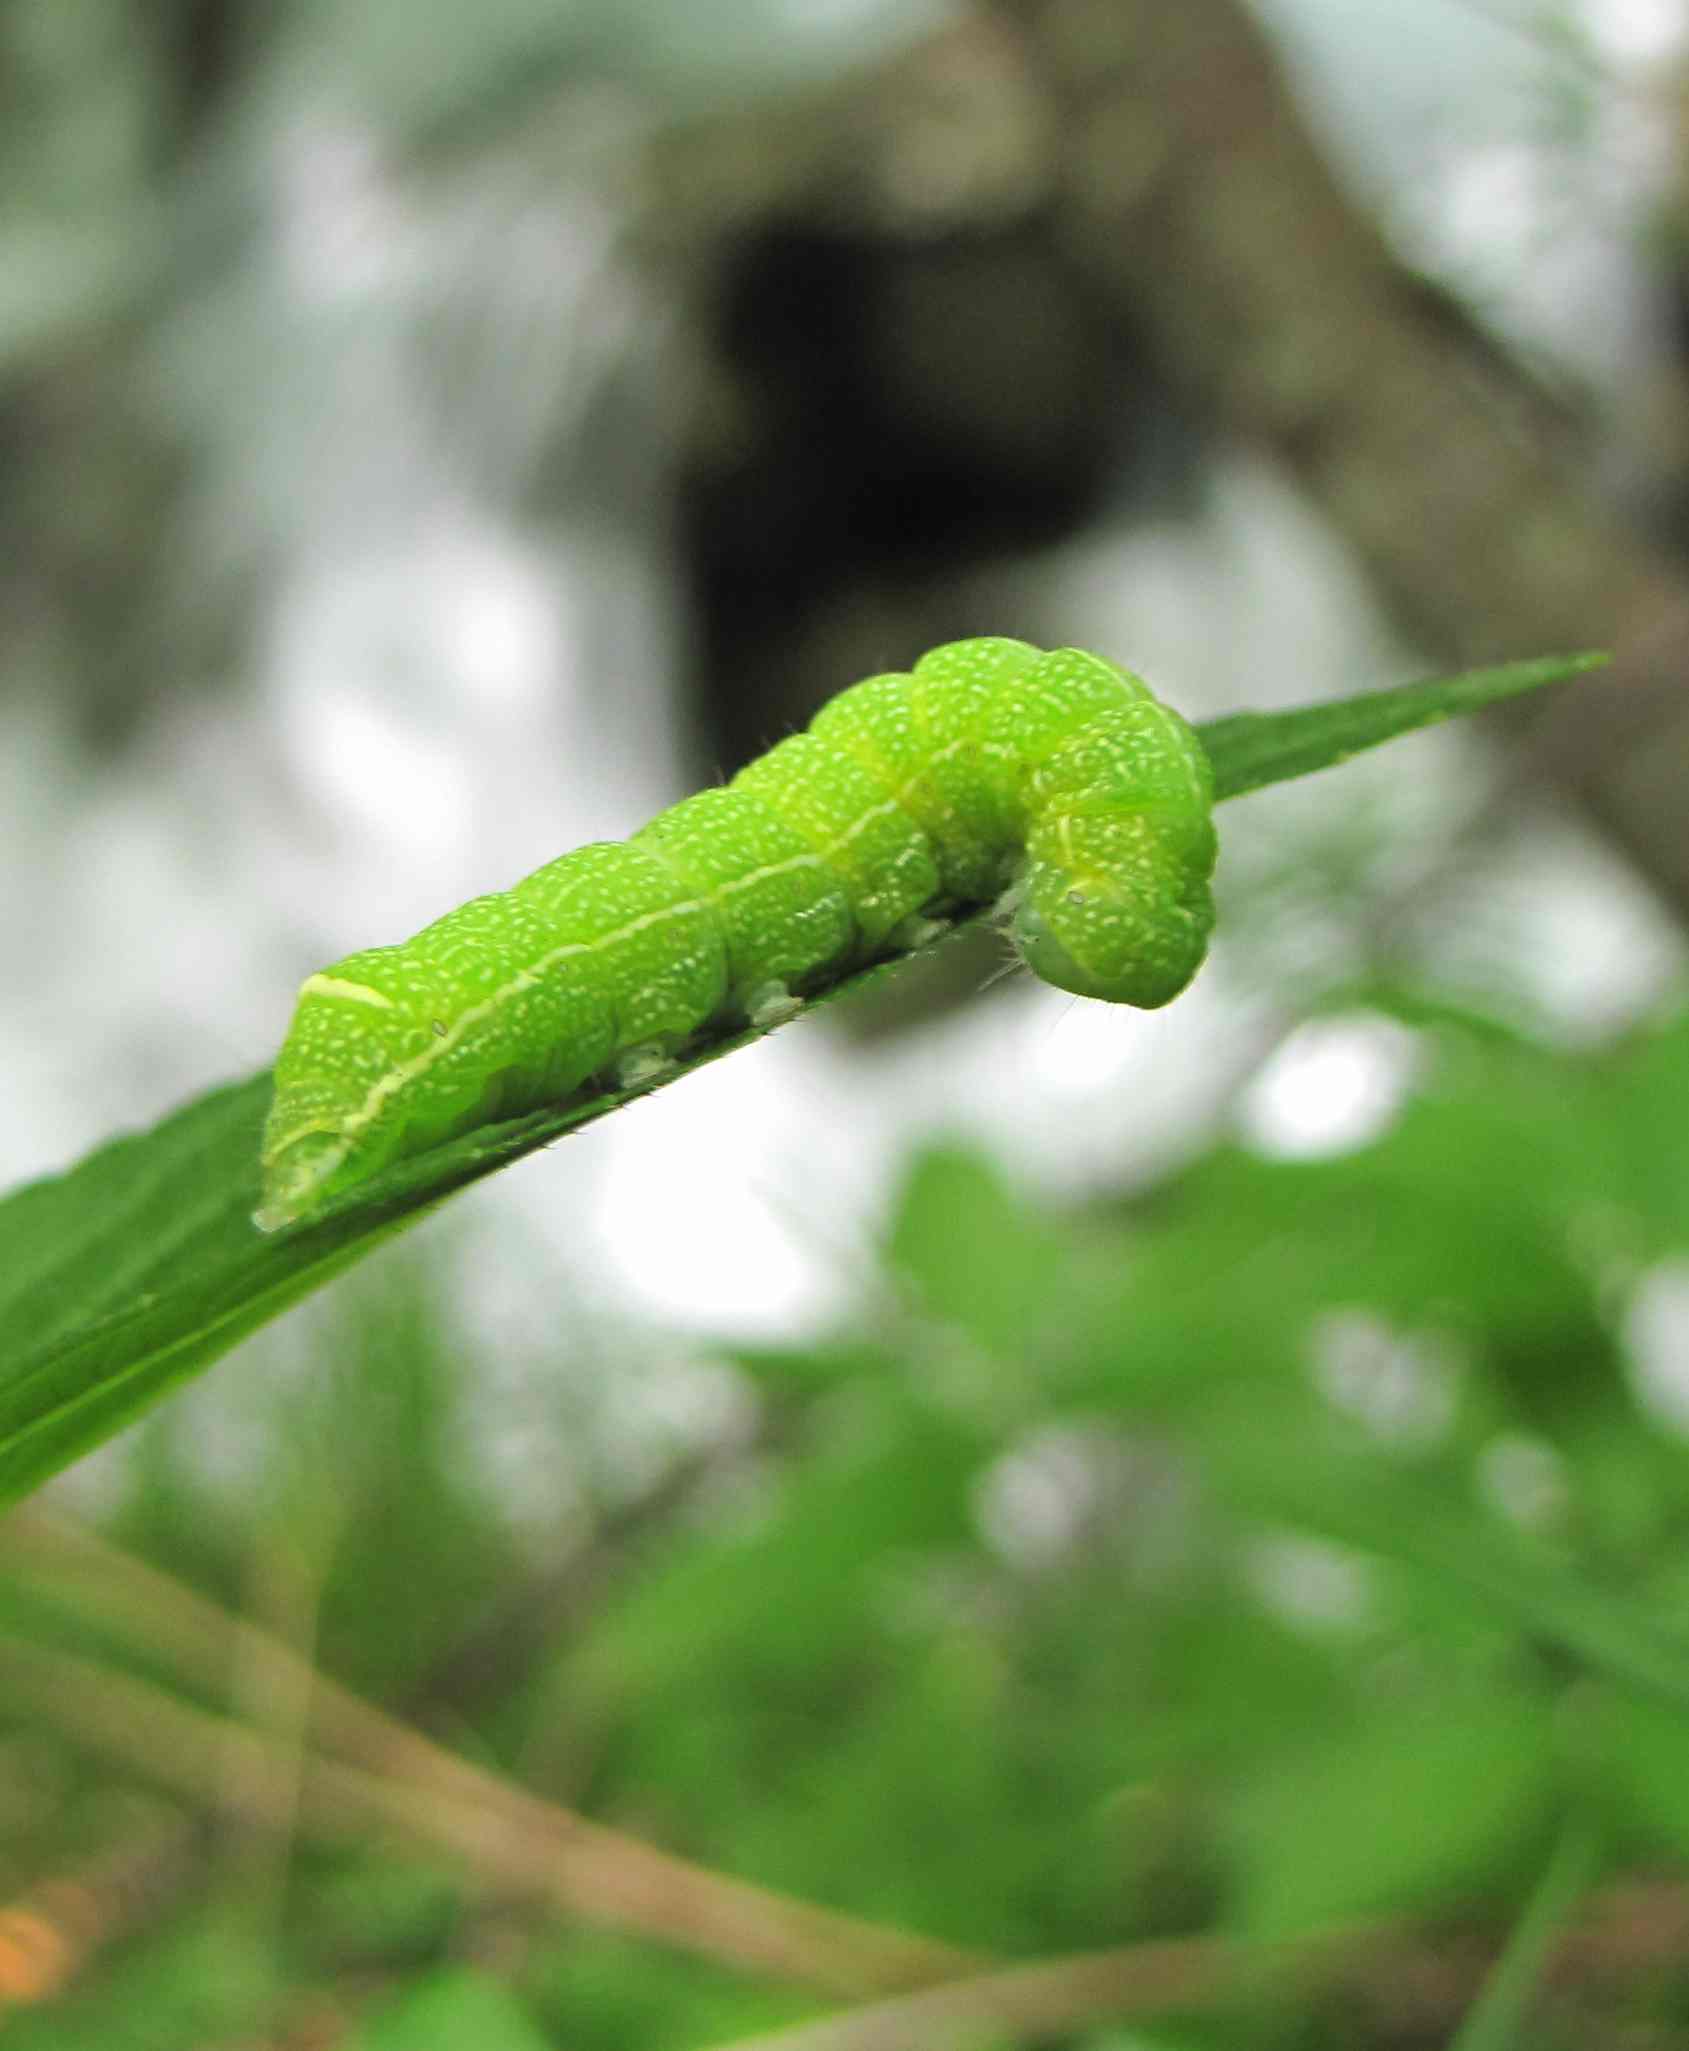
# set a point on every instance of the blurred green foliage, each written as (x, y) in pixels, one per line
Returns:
(1284, 1543)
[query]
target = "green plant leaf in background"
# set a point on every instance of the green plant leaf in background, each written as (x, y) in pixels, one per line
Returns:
(1497, 2021)
(453, 2009)
(1425, 1527)
(140, 1266)
(1408, 1809)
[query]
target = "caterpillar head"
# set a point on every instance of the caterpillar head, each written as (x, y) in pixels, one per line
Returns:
(299, 1175)
(1100, 937)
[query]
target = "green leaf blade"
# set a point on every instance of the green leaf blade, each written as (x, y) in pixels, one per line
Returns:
(1253, 749)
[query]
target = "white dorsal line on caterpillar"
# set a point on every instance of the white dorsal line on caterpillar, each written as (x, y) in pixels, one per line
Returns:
(1056, 774)
(354, 993)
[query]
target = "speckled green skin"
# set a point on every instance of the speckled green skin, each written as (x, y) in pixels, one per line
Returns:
(1053, 782)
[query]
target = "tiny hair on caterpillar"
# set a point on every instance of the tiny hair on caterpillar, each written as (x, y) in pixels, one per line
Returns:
(1051, 784)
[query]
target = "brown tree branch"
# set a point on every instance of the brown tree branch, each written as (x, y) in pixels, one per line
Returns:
(1189, 189)
(1413, 1983)
(1135, 1982)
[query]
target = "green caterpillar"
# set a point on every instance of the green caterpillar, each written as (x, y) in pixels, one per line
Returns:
(1053, 784)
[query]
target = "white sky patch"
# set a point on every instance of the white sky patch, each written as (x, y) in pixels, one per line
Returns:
(392, 666)
(1335, 1084)
(370, 765)
(342, 234)
(701, 53)
(1510, 148)
(1639, 32)
(1656, 1339)
(818, 19)
(729, 1203)
(1549, 914)
(1090, 1095)
(1075, 1047)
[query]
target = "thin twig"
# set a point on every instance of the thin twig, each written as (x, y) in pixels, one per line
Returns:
(1133, 1982)
(405, 1779)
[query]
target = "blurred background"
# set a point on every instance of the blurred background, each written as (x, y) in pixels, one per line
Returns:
(982, 1475)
